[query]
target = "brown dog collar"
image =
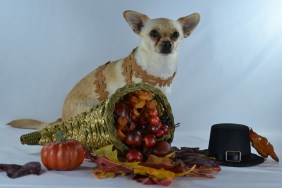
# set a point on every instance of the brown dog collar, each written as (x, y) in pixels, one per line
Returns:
(132, 69)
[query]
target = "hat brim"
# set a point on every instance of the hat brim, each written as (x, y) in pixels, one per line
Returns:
(254, 160)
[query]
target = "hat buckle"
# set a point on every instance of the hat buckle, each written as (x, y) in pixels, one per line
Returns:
(233, 156)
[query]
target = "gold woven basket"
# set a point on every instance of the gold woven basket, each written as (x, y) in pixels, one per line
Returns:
(96, 128)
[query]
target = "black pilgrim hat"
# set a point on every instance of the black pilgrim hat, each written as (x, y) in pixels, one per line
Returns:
(230, 145)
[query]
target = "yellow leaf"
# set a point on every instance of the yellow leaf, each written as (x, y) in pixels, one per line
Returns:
(151, 172)
(140, 104)
(107, 151)
(186, 172)
(101, 174)
(170, 155)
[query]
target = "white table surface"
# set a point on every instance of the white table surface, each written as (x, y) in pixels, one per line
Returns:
(268, 174)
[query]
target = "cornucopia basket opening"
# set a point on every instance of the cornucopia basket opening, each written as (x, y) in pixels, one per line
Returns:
(96, 128)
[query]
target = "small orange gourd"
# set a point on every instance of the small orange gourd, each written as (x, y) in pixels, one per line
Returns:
(63, 155)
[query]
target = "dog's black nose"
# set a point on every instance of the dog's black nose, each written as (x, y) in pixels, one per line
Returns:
(166, 47)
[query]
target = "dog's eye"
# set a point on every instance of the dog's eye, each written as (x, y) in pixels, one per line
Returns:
(175, 35)
(154, 33)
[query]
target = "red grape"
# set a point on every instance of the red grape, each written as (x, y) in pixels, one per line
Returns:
(155, 120)
(153, 112)
(165, 128)
(149, 140)
(133, 138)
(154, 129)
(134, 155)
(122, 109)
(160, 133)
(162, 148)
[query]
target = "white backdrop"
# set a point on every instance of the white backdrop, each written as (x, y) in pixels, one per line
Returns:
(230, 67)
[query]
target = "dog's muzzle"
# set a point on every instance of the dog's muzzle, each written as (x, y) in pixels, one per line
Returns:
(166, 47)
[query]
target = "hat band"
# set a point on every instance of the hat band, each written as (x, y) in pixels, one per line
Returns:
(233, 156)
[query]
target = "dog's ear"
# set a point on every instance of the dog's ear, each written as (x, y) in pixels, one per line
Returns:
(135, 20)
(189, 23)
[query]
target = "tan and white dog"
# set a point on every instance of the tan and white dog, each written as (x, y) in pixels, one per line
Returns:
(154, 61)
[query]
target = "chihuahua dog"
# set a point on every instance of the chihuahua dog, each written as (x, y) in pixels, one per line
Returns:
(154, 61)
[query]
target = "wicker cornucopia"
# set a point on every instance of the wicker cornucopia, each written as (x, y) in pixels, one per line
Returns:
(95, 128)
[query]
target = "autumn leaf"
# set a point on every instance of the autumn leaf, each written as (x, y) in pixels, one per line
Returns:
(186, 172)
(262, 145)
(15, 170)
(150, 181)
(156, 170)
(108, 152)
(108, 165)
(153, 159)
(151, 172)
(101, 174)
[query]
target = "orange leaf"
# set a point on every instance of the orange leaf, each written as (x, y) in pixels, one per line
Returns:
(263, 147)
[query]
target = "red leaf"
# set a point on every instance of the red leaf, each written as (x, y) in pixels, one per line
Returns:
(15, 171)
(151, 181)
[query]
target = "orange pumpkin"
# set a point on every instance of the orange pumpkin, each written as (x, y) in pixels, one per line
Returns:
(65, 155)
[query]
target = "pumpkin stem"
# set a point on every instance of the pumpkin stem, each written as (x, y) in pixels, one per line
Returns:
(60, 135)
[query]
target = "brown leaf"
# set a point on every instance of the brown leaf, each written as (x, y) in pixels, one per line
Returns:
(15, 171)
(151, 181)
(263, 147)
(153, 159)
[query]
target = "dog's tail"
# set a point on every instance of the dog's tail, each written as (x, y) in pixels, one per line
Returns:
(30, 123)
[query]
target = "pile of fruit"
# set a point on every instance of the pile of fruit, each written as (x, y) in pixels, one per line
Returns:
(140, 126)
